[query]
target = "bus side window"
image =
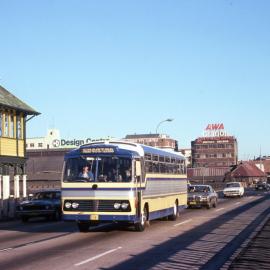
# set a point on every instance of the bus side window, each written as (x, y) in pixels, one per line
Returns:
(138, 170)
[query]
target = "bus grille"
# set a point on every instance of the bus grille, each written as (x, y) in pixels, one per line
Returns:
(96, 206)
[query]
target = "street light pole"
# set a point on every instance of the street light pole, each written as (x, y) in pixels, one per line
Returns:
(166, 120)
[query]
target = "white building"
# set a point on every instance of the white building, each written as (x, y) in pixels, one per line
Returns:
(187, 154)
(53, 140)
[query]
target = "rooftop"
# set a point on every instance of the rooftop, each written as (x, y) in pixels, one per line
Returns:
(12, 102)
(149, 135)
(247, 169)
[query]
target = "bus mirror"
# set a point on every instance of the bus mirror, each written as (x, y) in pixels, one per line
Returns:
(138, 168)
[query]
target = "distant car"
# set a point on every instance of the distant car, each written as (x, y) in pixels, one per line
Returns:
(42, 204)
(233, 189)
(262, 186)
(202, 196)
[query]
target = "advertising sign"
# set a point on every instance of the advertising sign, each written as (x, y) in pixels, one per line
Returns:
(215, 130)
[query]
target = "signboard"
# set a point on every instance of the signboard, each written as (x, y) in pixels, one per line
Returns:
(215, 130)
(97, 150)
(62, 143)
(69, 143)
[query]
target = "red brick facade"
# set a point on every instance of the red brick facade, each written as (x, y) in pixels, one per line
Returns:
(214, 152)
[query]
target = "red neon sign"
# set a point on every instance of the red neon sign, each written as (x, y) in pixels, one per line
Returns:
(215, 127)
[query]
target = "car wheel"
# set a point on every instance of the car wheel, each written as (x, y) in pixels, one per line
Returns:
(57, 216)
(25, 219)
(215, 203)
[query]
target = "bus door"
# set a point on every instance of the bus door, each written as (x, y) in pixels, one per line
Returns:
(138, 180)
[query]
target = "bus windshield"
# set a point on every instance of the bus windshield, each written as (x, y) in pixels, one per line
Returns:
(98, 169)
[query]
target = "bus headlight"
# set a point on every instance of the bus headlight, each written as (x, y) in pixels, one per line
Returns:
(124, 205)
(117, 205)
(67, 205)
(75, 205)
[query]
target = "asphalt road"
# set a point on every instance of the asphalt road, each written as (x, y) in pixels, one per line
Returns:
(199, 239)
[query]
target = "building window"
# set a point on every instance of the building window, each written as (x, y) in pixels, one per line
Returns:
(19, 127)
(6, 125)
(32, 145)
(40, 144)
(12, 126)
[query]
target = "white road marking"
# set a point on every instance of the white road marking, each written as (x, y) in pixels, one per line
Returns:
(181, 223)
(6, 249)
(220, 209)
(98, 256)
(237, 203)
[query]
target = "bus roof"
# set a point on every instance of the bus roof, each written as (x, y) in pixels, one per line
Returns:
(139, 149)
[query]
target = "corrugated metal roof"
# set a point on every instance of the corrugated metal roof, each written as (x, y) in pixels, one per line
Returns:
(9, 100)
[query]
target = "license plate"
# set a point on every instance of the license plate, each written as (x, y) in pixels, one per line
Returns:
(193, 203)
(94, 217)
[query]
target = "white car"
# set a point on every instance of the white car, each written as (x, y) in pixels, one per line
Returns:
(233, 189)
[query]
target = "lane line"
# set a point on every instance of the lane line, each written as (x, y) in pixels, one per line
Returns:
(237, 203)
(97, 257)
(220, 209)
(181, 223)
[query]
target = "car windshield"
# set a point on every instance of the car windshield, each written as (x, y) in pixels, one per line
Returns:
(42, 196)
(194, 189)
(229, 185)
(98, 169)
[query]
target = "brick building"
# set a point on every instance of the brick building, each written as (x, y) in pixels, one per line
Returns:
(213, 155)
(155, 140)
(214, 152)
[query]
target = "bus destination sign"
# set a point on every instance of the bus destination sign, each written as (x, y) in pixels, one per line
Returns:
(97, 150)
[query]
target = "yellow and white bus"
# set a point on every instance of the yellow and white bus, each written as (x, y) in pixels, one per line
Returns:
(122, 182)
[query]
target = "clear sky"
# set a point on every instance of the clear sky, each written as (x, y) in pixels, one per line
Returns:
(111, 68)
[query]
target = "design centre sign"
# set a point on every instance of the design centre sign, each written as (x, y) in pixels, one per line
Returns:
(70, 143)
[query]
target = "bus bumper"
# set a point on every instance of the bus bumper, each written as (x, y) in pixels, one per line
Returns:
(100, 218)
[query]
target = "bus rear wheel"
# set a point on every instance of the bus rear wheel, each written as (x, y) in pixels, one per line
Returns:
(175, 213)
(140, 226)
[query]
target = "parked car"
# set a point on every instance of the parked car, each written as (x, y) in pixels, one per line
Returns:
(262, 186)
(202, 195)
(233, 189)
(42, 204)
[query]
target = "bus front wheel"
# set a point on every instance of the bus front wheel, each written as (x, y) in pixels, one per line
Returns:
(140, 226)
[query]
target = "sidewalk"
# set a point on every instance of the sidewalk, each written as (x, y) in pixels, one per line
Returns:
(256, 255)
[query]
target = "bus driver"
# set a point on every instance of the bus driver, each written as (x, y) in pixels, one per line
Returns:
(86, 173)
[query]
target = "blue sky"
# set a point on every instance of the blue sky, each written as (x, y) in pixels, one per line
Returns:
(111, 68)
